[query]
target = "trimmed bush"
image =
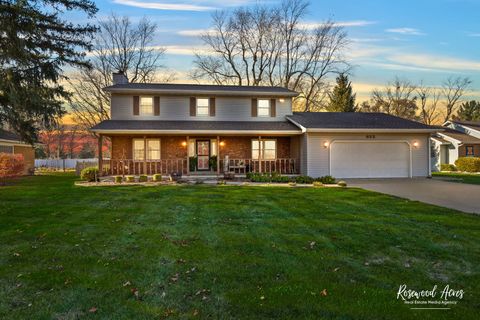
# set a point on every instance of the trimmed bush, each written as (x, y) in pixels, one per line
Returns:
(317, 184)
(157, 177)
(130, 178)
(193, 161)
(342, 183)
(447, 167)
(304, 179)
(265, 177)
(89, 174)
(142, 178)
(326, 180)
(213, 163)
(468, 164)
(118, 179)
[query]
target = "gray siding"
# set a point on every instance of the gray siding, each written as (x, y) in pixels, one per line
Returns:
(466, 130)
(178, 108)
(318, 157)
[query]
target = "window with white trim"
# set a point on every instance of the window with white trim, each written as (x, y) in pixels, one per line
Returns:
(263, 108)
(265, 149)
(153, 149)
(203, 106)
(6, 149)
(146, 106)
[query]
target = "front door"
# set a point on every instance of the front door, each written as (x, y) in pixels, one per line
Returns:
(203, 154)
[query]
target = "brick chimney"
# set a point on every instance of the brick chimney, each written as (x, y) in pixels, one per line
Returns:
(119, 78)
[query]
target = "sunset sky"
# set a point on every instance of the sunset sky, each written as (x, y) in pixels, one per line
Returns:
(422, 40)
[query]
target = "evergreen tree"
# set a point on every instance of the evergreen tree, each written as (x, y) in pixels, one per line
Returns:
(35, 44)
(342, 99)
(469, 111)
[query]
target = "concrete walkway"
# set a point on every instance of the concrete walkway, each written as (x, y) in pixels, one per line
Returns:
(459, 196)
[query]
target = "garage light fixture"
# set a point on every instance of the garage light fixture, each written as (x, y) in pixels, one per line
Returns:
(415, 144)
(325, 144)
(281, 100)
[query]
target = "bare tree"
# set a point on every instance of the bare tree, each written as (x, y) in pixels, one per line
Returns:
(429, 99)
(260, 46)
(397, 98)
(453, 89)
(122, 46)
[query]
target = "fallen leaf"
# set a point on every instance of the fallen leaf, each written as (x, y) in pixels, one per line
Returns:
(336, 269)
(92, 310)
(174, 278)
(127, 283)
(135, 292)
(195, 312)
(16, 254)
(324, 292)
(262, 298)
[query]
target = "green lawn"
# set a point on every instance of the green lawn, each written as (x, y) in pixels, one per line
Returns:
(227, 252)
(458, 177)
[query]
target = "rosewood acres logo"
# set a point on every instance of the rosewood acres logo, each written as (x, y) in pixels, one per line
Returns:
(430, 299)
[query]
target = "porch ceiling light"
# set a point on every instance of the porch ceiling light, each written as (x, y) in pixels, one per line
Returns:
(222, 143)
(184, 143)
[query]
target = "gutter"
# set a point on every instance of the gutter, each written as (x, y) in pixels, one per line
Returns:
(200, 132)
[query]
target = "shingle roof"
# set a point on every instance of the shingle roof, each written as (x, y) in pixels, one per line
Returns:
(460, 136)
(471, 124)
(355, 120)
(6, 135)
(159, 125)
(173, 88)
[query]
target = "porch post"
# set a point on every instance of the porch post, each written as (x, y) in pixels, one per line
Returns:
(218, 155)
(100, 155)
(260, 154)
(188, 157)
(144, 155)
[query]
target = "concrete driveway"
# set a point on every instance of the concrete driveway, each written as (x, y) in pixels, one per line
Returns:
(459, 196)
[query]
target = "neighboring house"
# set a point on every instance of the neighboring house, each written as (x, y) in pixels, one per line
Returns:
(209, 129)
(459, 139)
(11, 143)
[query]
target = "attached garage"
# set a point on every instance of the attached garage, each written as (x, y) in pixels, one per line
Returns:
(363, 145)
(367, 159)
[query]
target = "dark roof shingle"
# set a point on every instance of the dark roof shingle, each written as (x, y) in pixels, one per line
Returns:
(354, 120)
(160, 125)
(6, 135)
(173, 88)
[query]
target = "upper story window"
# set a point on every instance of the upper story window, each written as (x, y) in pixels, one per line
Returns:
(263, 108)
(146, 106)
(203, 107)
(469, 151)
(6, 149)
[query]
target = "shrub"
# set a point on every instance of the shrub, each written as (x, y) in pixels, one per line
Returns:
(342, 183)
(447, 167)
(90, 174)
(157, 177)
(11, 165)
(326, 180)
(213, 163)
(130, 178)
(193, 163)
(304, 179)
(118, 179)
(142, 178)
(266, 177)
(468, 164)
(317, 184)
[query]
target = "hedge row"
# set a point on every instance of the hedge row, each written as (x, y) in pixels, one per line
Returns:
(275, 177)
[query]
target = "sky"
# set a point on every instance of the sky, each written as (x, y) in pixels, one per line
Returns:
(422, 41)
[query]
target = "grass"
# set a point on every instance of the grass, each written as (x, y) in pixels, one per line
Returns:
(227, 252)
(469, 178)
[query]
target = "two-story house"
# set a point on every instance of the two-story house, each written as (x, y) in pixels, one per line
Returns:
(459, 139)
(211, 129)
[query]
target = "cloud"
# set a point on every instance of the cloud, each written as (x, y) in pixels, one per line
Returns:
(435, 62)
(406, 31)
(164, 5)
(474, 34)
(352, 23)
(194, 32)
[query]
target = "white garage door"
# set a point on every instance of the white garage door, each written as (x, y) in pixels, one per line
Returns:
(361, 159)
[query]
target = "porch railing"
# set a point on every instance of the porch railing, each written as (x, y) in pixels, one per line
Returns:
(244, 166)
(135, 167)
(167, 166)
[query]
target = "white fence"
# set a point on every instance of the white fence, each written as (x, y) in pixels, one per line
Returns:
(63, 164)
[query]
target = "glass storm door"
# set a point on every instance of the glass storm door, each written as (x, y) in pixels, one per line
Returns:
(203, 154)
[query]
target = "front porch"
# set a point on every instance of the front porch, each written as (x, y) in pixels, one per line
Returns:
(200, 156)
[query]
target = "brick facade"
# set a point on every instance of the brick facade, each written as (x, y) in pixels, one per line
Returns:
(172, 148)
(462, 150)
